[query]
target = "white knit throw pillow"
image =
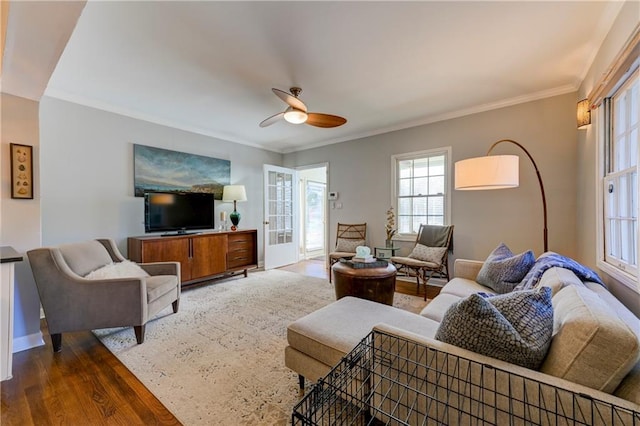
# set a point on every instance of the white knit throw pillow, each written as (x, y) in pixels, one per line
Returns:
(428, 254)
(124, 269)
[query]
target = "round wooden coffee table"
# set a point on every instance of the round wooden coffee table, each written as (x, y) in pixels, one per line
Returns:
(376, 284)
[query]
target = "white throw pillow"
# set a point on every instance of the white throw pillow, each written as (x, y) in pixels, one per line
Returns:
(124, 269)
(428, 254)
(348, 245)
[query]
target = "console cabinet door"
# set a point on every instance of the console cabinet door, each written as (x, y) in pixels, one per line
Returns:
(208, 255)
(168, 250)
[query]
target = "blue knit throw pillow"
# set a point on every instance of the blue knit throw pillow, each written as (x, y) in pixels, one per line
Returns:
(503, 270)
(515, 327)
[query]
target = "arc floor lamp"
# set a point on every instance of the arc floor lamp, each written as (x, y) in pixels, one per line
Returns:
(497, 172)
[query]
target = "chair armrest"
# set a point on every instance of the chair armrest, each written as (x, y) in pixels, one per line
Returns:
(465, 268)
(162, 268)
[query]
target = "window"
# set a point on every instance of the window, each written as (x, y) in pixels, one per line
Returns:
(621, 136)
(421, 189)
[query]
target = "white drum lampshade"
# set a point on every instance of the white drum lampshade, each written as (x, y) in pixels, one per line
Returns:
(488, 172)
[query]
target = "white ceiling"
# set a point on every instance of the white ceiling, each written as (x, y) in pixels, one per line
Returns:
(209, 67)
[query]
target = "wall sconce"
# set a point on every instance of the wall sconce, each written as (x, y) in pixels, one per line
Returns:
(583, 113)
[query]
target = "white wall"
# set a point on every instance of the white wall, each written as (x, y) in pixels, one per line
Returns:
(587, 181)
(87, 172)
(20, 219)
(360, 170)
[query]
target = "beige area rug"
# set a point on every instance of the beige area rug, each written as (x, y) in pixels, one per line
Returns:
(220, 359)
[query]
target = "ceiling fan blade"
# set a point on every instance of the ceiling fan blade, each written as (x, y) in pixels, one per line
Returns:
(291, 100)
(324, 120)
(269, 121)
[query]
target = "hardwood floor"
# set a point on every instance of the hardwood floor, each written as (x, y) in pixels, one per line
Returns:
(86, 384)
(83, 384)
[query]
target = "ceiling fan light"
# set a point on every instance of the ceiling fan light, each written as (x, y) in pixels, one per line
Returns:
(295, 116)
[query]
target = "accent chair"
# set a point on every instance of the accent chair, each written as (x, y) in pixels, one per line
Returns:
(72, 302)
(429, 256)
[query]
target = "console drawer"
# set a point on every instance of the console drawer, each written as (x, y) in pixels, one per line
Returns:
(241, 250)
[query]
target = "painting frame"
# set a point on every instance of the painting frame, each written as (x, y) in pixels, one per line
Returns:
(21, 159)
(164, 170)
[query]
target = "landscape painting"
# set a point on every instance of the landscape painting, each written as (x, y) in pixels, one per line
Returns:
(157, 169)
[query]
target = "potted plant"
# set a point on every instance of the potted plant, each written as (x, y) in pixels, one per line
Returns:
(390, 227)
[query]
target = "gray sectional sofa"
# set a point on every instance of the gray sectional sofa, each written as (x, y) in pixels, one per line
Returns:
(595, 349)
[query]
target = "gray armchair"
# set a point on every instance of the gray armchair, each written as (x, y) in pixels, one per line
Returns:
(73, 303)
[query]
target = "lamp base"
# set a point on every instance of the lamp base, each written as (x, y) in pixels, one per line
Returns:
(235, 219)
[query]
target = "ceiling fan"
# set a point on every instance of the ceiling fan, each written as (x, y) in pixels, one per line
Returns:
(297, 113)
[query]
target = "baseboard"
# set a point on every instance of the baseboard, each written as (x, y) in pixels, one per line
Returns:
(27, 342)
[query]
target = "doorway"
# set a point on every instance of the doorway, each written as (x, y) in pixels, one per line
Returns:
(313, 212)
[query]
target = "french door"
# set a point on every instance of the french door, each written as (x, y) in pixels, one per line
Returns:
(280, 219)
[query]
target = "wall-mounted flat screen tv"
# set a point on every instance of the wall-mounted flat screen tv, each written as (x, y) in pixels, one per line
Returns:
(175, 211)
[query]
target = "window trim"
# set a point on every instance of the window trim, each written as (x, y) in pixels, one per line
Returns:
(447, 183)
(602, 158)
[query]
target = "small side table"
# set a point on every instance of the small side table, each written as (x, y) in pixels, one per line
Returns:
(385, 252)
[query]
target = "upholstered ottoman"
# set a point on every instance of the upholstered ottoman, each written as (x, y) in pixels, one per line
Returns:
(319, 340)
(376, 284)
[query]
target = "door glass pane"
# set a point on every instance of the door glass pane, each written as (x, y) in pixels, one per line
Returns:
(314, 226)
(280, 204)
(633, 148)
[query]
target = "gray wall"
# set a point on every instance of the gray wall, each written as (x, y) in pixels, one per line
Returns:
(20, 219)
(360, 170)
(87, 172)
(588, 178)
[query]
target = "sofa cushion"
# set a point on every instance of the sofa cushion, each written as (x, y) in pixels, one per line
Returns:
(503, 270)
(463, 287)
(632, 321)
(436, 309)
(591, 345)
(557, 278)
(85, 257)
(428, 254)
(124, 269)
(629, 388)
(348, 245)
(515, 327)
(159, 285)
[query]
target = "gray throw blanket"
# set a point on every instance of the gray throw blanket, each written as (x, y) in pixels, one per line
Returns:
(549, 260)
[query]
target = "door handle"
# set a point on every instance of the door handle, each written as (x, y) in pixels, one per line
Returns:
(266, 222)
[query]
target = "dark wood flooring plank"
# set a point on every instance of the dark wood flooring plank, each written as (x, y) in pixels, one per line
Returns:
(83, 384)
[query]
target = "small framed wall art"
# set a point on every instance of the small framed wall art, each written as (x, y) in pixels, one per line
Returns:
(21, 171)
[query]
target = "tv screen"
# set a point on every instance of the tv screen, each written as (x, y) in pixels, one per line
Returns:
(173, 211)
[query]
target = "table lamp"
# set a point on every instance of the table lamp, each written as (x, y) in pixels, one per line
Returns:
(234, 193)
